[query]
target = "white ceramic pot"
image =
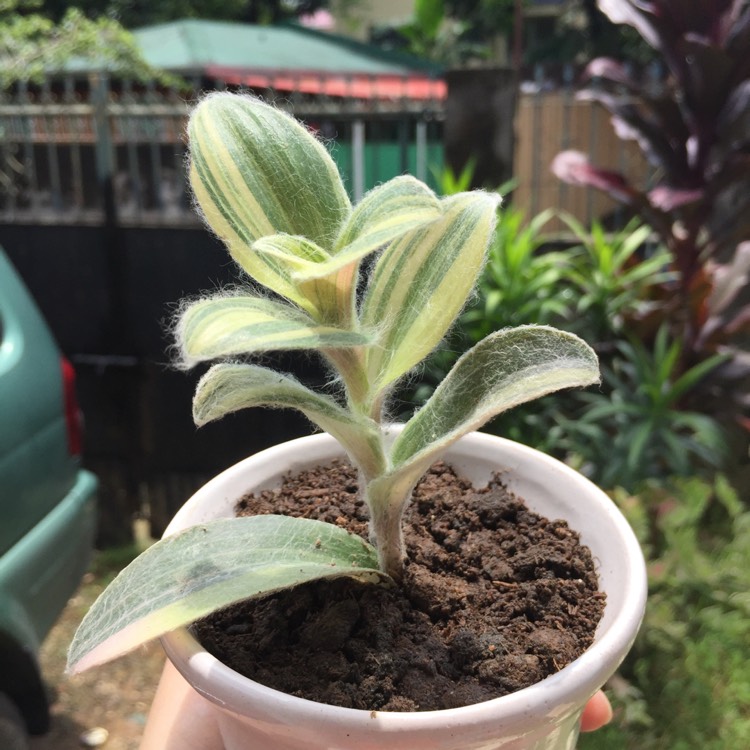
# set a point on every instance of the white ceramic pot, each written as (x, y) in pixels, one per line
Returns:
(541, 717)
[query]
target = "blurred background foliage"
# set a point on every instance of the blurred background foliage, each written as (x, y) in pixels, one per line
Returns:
(637, 426)
(663, 300)
(685, 685)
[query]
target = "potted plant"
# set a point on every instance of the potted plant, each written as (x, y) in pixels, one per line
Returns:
(270, 190)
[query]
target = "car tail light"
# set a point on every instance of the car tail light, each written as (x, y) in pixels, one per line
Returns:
(73, 416)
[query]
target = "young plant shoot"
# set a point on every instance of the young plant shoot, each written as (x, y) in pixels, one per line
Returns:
(272, 193)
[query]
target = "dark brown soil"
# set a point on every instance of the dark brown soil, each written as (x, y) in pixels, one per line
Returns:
(495, 598)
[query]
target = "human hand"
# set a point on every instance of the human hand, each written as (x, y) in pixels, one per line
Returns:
(180, 718)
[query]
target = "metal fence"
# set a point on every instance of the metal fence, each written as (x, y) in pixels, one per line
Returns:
(60, 142)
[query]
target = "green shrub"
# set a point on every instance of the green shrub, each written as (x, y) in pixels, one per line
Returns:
(686, 683)
(638, 426)
(635, 428)
(614, 276)
(520, 284)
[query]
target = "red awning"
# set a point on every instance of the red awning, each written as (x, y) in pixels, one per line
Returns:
(350, 86)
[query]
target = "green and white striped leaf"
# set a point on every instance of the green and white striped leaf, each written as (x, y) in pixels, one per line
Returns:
(505, 369)
(333, 294)
(329, 299)
(297, 253)
(256, 171)
(226, 388)
(329, 283)
(327, 287)
(228, 326)
(194, 573)
(422, 281)
(383, 214)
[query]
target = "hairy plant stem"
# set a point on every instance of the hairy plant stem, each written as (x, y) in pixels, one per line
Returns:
(389, 542)
(385, 528)
(349, 363)
(385, 515)
(376, 408)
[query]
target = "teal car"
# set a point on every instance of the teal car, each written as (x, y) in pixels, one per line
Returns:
(47, 503)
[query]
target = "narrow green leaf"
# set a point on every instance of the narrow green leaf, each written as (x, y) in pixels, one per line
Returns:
(537, 223)
(228, 326)
(227, 388)
(422, 281)
(575, 226)
(194, 573)
(679, 459)
(632, 242)
(246, 160)
(695, 374)
(638, 443)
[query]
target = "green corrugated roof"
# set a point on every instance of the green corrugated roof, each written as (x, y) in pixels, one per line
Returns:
(193, 45)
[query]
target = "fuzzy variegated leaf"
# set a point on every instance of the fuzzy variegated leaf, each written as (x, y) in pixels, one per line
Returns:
(384, 213)
(226, 388)
(507, 368)
(204, 568)
(297, 253)
(326, 286)
(333, 294)
(227, 326)
(329, 299)
(256, 171)
(422, 281)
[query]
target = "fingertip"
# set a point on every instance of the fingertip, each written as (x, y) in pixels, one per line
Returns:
(597, 713)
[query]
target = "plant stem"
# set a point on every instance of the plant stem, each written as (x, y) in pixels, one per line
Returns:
(390, 546)
(385, 515)
(385, 527)
(349, 363)
(376, 409)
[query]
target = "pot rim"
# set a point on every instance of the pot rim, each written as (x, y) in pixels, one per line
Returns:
(573, 684)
